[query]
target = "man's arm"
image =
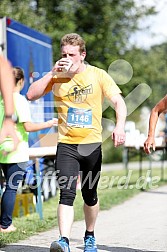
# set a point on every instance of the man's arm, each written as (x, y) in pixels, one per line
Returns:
(160, 107)
(118, 135)
(38, 88)
(6, 88)
(7, 85)
(44, 85)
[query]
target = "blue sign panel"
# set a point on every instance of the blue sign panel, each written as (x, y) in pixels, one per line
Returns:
(32, 51)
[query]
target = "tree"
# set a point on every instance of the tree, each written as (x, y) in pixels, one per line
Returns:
(105, 25)
(149, 66)
(23, 11)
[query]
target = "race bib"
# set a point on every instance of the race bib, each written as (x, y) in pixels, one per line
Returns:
(81, 118)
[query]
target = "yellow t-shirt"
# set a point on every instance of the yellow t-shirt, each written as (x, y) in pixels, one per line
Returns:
(79, 103)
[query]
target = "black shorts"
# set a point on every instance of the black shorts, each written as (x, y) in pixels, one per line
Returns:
(72, 159)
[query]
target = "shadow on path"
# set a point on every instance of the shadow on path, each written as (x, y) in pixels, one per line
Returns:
(22, 248)
(119, 249)
(156, 192)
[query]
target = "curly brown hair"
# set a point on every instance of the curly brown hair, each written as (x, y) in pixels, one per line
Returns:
(73, 39)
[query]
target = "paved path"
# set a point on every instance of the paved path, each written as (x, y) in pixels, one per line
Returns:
(134, 165)
(139, 224)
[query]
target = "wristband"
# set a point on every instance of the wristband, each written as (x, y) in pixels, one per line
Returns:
(12, 117)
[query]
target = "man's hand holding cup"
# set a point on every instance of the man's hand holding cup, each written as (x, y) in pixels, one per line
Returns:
(62, 66)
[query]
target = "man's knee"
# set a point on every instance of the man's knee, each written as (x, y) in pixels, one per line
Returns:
(67, 197)
(90, 199)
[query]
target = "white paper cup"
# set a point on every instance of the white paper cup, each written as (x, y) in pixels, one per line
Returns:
(66, 68)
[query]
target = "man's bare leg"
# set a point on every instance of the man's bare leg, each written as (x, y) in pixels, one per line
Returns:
(65, 219)
(91, 213)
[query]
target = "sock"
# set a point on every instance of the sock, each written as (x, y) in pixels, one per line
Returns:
(66, 239)
(89, 233)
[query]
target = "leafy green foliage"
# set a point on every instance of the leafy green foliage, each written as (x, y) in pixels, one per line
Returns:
(106, 25)
(148, 67)
(23, 11)
(110, 153)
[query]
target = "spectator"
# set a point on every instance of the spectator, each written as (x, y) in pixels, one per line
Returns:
(14, 163)
(7, 126)
(159, 108)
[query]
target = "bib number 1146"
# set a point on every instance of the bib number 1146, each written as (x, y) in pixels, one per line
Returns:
(79, 118)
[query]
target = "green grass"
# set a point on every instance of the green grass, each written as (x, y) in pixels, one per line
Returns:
(112, 191)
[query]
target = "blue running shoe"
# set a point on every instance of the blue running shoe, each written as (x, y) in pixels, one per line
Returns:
(90, 244)
(59, 246)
